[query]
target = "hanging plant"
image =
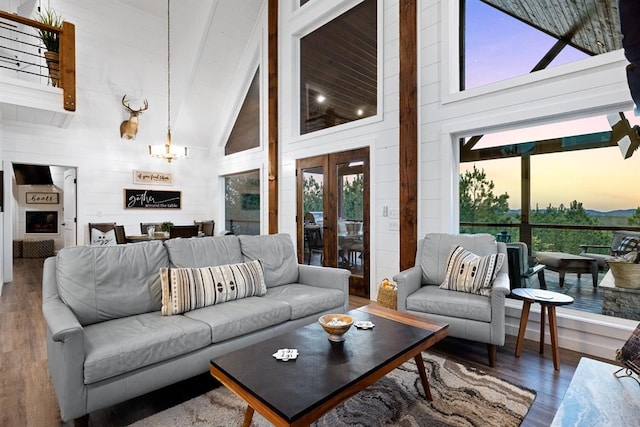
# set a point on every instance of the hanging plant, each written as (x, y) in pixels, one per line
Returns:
(50, 39)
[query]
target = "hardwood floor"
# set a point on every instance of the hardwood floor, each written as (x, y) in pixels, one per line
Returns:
(27, 397)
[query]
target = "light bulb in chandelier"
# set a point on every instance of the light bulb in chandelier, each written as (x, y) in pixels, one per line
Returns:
(168, 151)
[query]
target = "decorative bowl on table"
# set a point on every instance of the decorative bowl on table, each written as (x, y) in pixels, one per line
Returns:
(336, 325)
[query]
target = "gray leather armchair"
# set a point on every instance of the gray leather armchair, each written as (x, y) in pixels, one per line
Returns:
(470, 316)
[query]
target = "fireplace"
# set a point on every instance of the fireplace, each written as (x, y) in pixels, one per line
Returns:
(42, 222)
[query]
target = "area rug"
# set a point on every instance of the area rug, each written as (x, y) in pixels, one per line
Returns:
(461, 397)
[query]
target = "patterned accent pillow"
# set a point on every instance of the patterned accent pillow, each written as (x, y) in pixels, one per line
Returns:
(185, 289)
(628, 244)
(100, 238)
(468, 272)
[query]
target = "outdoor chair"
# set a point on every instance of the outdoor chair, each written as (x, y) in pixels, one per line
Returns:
(520, 273)
(470, 315)
(619, 246)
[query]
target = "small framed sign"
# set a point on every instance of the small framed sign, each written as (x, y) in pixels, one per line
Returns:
(151, 199)
(33, 198)
(157, 178)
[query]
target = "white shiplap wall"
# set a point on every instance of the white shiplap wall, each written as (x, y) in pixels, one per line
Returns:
(119, 49)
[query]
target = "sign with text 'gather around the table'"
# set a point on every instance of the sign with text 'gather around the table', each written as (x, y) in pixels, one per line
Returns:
(138, 198)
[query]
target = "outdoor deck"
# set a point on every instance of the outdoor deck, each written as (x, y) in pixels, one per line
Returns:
(586, 297)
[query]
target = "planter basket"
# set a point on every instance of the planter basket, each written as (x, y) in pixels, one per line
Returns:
(53, 63)
(625, 274)
(388, 297)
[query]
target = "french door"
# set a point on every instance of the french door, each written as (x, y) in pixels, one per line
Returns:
(333, 214)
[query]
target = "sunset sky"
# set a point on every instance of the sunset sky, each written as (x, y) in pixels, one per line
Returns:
(600, 179)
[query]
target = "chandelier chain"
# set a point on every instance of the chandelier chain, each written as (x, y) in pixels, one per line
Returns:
(168, 65)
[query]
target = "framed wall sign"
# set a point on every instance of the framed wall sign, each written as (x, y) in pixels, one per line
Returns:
(139, 198)
(157, 178)
(34, 198)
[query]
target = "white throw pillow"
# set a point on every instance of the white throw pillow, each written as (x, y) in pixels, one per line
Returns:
(468, 272)
(99, 238)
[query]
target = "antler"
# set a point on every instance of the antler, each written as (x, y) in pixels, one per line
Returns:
(131, 110)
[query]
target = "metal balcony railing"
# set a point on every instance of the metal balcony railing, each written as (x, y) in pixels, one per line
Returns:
(23, 55)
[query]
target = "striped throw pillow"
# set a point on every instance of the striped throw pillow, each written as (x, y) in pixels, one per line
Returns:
(468, 272)
(185, 289)
(628, 244)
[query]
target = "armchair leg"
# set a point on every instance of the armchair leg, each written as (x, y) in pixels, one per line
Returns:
(83, 421)
(492, 350)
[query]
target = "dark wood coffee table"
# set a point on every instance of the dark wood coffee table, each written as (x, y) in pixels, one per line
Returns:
(297, 392)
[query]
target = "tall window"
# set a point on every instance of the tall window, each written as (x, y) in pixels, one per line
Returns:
(560, 187)
(339, 70)
(246, 130)
(502, 39)
(242, 203)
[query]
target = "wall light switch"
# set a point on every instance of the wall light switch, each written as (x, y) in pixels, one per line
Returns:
(385, 210)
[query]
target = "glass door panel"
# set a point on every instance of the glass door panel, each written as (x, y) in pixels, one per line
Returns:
(333, 205)
(313, 218)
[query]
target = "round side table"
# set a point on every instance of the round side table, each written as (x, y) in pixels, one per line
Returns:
(548, 301)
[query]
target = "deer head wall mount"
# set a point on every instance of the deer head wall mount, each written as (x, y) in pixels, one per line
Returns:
(129, 127)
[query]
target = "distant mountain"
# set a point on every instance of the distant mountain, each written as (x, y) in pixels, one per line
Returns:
(592, 212)
(617, 212)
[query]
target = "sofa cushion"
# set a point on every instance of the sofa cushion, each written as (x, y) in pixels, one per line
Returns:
(277, 254)
(204, 251)
(431, 299)
(240, 317)
(106, 282)
(468, 272)
(185, 289)
(123, 345)
(306, 300)
(434, 252)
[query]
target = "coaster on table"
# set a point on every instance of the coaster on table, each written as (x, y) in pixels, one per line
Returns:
(364, 324)
(285, 354)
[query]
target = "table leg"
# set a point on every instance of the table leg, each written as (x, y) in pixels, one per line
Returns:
(541, 279)
(561, 272)
(553, 329)
(248, 415)
(594, 273)
(423, 376)
(524, 317)
(542, 314)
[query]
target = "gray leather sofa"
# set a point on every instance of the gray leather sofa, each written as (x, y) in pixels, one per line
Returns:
(107, 341)
(470, 316)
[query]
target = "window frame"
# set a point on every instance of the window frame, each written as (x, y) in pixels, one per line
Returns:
(305, 27)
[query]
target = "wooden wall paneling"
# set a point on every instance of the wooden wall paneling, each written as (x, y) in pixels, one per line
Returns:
(273, 116)
(68, 65)
(408, 163)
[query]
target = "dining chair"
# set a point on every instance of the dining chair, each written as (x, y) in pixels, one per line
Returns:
(145, 225)
(206, 227)
(183, 231)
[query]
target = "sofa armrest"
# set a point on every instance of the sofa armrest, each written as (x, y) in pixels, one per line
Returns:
(60, 320)
(65, 356)
(326, 277)
(408, 282)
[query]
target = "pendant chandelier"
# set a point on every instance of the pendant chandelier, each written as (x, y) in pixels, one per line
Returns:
(168, 151)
